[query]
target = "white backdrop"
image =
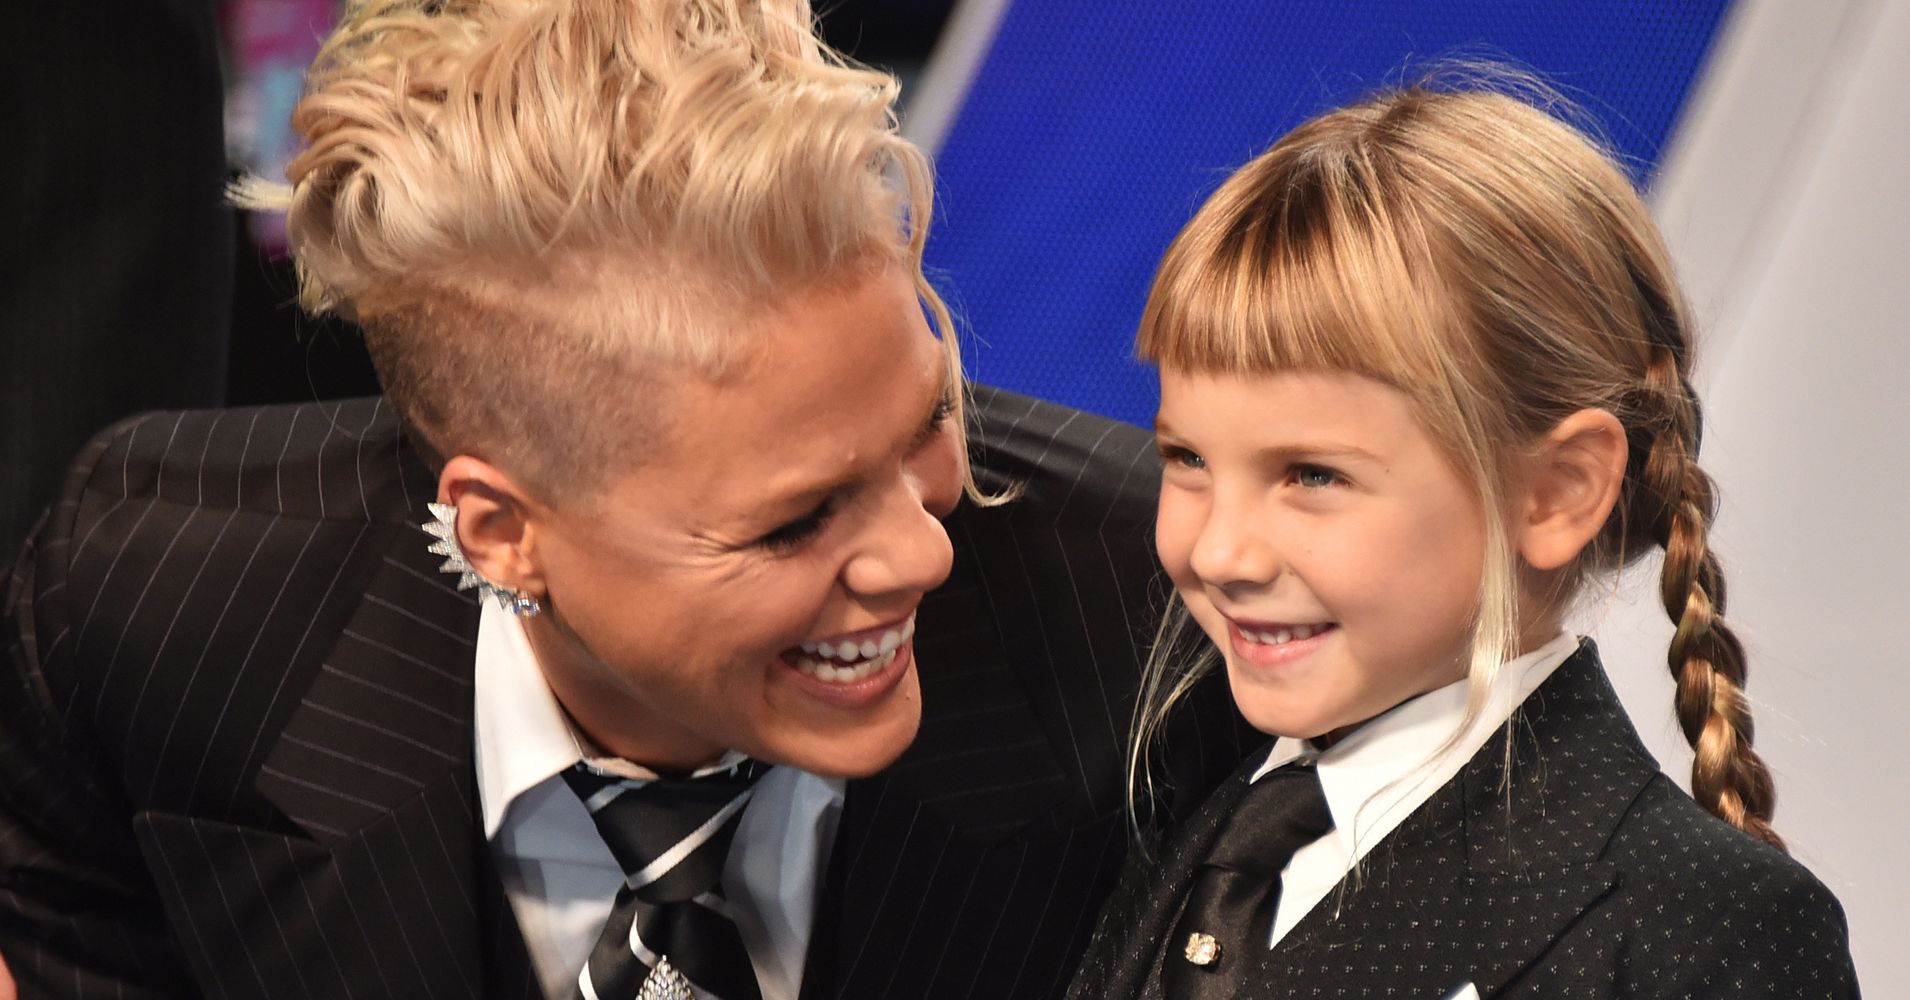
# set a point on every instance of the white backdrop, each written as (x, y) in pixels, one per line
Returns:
(1786, 197)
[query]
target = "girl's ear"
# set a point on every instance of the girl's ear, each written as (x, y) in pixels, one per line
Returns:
(495, 530)
(1571, 481)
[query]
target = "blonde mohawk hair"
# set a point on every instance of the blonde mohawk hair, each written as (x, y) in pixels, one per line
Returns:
(535, 207)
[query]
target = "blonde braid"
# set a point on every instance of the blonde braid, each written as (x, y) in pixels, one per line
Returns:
(1678, 504)
(1492, 263)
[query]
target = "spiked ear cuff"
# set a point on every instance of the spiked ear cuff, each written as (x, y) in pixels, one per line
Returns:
(443, 526)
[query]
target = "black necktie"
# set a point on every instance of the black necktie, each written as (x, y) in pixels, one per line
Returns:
(670, 922)
(1224, 927)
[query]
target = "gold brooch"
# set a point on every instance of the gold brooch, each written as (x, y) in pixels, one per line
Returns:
(1202, 949)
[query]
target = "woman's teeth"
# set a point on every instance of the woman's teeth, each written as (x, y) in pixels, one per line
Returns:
(838, 673)
(848, 661)
(1285, 634)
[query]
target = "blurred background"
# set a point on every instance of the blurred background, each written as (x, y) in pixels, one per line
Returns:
(126, 282)
(1073, 138)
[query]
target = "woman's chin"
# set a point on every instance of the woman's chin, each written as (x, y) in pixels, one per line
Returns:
(827, 737)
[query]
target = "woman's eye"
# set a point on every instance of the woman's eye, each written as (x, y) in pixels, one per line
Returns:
(937, 420)
(1314, 477)
(791, 536)
(1176, 455)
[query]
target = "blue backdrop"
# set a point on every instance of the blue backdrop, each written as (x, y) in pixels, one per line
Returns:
(1095, 128)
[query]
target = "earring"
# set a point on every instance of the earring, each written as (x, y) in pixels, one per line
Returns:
(443, 526)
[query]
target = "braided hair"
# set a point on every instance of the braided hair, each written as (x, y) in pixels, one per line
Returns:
(1459, 241)
(1668, 502)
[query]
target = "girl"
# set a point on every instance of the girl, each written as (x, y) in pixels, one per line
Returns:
(1424, 372)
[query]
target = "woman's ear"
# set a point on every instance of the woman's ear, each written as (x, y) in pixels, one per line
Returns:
(494, 529)
(1571, 483)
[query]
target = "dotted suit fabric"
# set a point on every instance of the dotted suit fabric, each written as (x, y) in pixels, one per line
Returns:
(1589, 874)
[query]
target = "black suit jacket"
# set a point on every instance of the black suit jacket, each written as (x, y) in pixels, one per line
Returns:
(116, 273)
(235, 729)
(1587, 874)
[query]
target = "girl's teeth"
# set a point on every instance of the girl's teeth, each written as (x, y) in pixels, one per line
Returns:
(1282, 636)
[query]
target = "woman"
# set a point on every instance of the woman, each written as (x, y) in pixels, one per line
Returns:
(661, 378)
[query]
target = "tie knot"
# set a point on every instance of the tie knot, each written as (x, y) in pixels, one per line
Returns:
(669, 835)
(1280, 813)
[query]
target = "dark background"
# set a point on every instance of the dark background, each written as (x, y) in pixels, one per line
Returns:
(126, 282)
(279, 355)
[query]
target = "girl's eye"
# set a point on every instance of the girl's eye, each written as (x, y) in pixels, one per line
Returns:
(791, 536)
(1315, 477)
(1176, 455)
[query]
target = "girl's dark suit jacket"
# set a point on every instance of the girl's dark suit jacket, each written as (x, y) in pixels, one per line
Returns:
(235, 727)
(1588, 875)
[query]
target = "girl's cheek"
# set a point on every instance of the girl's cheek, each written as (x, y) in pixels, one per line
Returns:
(1176, 527)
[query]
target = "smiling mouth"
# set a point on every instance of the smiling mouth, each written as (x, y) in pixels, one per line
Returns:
(851, 658)
(1281, 635)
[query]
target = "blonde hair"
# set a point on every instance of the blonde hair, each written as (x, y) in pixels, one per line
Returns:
(1487, 260)
(541, 210)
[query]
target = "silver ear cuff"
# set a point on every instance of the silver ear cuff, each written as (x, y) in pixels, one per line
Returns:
(443, 526)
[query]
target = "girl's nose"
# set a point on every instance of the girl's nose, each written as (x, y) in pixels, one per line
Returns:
(1233, 549)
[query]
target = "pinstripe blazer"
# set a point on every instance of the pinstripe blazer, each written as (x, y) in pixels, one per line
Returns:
(1581, 872)
(235, 727)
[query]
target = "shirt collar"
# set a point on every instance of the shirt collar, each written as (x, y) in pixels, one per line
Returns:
(1379, 773)
(522, 735)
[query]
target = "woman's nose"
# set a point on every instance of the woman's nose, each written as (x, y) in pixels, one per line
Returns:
(907, 549)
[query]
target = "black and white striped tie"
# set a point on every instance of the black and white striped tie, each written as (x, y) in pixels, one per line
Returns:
(670, 925)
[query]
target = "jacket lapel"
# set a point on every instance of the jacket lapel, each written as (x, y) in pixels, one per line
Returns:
(1480, 881)
(1140, 914)
(387, 884)
(388, 713)
(1474, 886)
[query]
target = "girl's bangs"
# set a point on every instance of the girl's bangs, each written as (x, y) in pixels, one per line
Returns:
(1321, 278)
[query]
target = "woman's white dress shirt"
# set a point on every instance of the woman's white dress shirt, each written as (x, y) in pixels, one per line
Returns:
(561, 879)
